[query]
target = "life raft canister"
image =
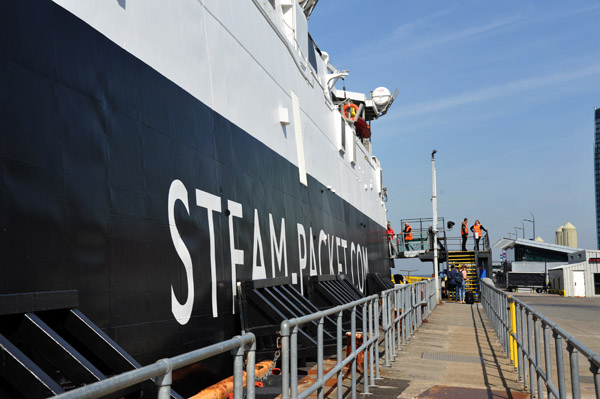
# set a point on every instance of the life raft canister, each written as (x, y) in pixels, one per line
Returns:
(350, 111)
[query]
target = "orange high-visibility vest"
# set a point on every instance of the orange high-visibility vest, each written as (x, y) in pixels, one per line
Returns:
(477, 229)
(408, 235)
(464, 230)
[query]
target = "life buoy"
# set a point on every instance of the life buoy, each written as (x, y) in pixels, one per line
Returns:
(352, 113)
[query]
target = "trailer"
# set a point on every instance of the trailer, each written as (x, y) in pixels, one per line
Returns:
(534, 281)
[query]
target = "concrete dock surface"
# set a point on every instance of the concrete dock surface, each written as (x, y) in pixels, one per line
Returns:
(455, 354)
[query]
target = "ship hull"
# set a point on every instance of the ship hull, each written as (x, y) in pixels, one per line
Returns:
(119, 184)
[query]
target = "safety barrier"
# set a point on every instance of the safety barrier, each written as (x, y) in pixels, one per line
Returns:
(411, 304)
(518, 328)
(416, 301)
(163, 369)
(404, 309)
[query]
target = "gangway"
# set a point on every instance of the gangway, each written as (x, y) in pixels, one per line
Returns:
(449, 248)
(421, 245)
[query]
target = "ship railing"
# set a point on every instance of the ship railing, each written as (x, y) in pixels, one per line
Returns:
(412, 303)
(455, 243)
(161, 371)
(524, 332)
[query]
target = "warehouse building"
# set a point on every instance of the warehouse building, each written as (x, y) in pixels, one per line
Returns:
(580, 278)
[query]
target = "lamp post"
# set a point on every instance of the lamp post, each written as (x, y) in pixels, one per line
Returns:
(516, 232)
(523, 224)
(520, 228)
(532, 220)
(435, 217)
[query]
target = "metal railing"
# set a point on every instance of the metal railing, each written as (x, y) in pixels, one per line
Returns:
(402, 312)
(404, 309)
(162, 371)
(416, 301)
(370, 336)
(518, 328)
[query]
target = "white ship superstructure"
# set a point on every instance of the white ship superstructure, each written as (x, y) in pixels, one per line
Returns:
(249, 64)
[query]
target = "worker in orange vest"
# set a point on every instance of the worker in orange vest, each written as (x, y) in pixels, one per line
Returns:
(390, 235)
(476, 229)
(408, 236)
(464, 232)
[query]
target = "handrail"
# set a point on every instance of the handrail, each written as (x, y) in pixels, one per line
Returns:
(416, 301)
(397, 329)
(163, 369)
(412, 303)
(518, 328)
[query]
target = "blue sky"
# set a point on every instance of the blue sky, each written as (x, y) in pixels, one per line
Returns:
(505, 91)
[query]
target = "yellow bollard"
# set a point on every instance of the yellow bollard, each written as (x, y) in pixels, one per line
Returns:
(513, 328)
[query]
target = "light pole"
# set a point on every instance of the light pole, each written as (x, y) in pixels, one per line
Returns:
(523, 224)
(510, 234)
(520, 228)
(516, 232)
(435, 217)
(532, 220)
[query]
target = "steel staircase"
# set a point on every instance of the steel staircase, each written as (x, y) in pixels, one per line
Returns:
(466, 258)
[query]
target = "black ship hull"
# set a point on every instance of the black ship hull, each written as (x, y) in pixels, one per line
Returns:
(112, 178)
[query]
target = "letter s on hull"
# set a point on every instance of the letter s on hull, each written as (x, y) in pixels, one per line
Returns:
(182, 312)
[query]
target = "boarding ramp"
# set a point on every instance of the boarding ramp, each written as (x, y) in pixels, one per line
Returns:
(421, 246)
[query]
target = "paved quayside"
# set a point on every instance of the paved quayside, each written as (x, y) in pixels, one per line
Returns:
(455, 353)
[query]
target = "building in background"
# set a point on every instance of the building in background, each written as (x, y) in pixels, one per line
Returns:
(580, 278)
(597, 173)
(566, 235)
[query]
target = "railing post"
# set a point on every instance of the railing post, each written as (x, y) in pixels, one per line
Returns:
(340, 374)
(376, 344)
(373, 346)
(538, 356)
(398, 303)
(353, 349)
(365, 350)
(574, 365)
(531, 354)
(560, 368)
(385, 329)
(294, 362)
(547, 357)
(285, 360)
(238, 373)
(594, 361)
(403, 314)
(522, 336)
(519, 341)
(163, 382)
(320, 358)
(512, 330)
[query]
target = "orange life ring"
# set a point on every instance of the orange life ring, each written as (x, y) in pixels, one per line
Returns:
(352, 115)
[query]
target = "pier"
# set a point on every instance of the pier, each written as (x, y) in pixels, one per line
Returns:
(405, 346)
